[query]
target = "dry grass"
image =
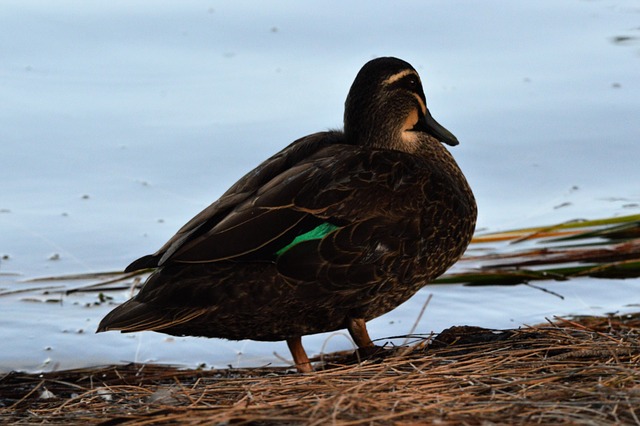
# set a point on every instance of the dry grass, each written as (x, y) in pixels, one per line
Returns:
(584, 371)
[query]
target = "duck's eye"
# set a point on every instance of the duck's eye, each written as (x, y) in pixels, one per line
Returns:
(411, 83)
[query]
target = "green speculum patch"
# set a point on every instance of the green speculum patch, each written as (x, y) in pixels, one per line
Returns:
(316, 233)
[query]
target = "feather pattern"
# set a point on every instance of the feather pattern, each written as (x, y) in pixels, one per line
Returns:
(334, 230)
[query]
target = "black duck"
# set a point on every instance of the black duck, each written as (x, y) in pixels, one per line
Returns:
(334, 230)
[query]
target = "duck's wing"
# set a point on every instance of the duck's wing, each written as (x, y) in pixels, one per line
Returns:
(339, 217)
(336, 213)
(194, 240)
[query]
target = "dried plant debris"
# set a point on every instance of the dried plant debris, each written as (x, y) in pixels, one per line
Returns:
(604, 248)
(579, 371)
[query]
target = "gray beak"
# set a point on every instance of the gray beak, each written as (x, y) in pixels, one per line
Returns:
(429, 125)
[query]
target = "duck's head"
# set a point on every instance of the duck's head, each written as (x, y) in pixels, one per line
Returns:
(386, 108)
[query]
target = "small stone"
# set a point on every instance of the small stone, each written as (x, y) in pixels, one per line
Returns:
(163, 396)
(46, 394)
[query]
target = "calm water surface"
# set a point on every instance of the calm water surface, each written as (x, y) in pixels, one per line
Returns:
(119, 121)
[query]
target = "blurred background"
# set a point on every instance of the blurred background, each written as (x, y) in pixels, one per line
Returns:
(121, 120)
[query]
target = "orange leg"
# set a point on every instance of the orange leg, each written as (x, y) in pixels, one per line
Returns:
(299, 355)
(358, 329)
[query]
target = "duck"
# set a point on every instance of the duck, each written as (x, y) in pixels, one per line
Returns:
(338, 228)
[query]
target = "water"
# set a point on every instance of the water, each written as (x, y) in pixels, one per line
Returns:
(119, 121)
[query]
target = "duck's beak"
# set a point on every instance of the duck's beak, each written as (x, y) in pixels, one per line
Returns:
(432, 127)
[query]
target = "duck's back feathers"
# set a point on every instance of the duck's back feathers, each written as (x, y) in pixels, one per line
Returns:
(199, 228)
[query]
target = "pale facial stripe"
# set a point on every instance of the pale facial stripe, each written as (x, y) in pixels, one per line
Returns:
(400, 75)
